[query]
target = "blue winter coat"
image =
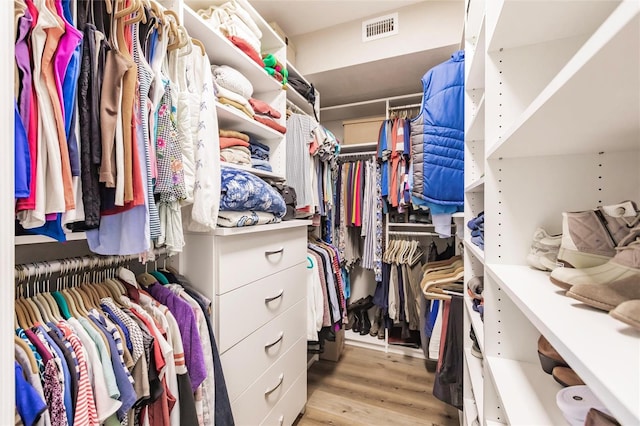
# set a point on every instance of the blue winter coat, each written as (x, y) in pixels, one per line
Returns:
(437, 138)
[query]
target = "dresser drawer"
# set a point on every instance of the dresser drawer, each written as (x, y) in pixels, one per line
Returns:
(255, 403)
(287, 409)
(244, 258)
(242, 311)
(247, 360)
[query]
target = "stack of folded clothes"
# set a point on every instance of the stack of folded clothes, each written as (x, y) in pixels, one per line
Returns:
(259, 155)
(236, 24)
(234, 147)
(477, 230)
(266, 114)
(232, 88)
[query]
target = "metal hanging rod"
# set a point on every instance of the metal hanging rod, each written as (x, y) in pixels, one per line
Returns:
(395, 108)
(296, 108)
(75, 264)
(413, 234)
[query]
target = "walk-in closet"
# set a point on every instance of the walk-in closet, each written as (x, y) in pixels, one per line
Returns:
(285, 212)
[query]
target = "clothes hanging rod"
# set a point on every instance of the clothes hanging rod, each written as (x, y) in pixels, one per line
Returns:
(367, 154)
(296, 108)
(372, 101)
(395, 108)
(74, 264)
(413, 234)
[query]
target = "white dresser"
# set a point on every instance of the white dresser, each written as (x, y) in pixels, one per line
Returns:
(256, 278)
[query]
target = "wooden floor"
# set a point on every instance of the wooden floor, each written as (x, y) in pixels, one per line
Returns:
(368, 387)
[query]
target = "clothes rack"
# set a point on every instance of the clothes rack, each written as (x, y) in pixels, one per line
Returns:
(350, 156)
(413, 234)
(400, 107)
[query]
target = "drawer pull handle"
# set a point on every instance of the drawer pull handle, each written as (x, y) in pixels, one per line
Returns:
(270, 345)
(270, 391)
(271, 252)
(278, 296)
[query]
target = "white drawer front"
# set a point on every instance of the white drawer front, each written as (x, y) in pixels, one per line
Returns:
(287, 409)
(257, 401)
(247, 360)
(248, 257)
(242, 311)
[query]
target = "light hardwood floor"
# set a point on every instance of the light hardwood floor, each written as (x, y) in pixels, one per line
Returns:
(368, 387)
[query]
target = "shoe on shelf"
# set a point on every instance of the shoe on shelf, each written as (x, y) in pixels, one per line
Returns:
(624, 265)
(596, 417)
(543, 254)
(549, 357)
(475, 287)
(475, 348)
(628, 312)
(575, 402)
(589, 237)
(366, 322)
(566, 376)
(375, 325)
(608, 295)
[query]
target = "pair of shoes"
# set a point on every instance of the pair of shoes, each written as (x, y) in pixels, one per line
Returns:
(543, 254)
(575, 402)
(475, 348)
(358, 315)
(376, 325)
(553, 363)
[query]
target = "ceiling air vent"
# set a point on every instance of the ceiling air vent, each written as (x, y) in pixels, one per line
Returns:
(380, 27)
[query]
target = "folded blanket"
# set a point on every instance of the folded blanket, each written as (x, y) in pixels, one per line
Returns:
(232, 79)
(226, 142)
(261, 164)
(233, 134)
(254, 141)
(267, 121)
(235, 104)
(248, 50)
(236, 155)
(262, 107)
(230, 219)
(241, 190)
(258, 153)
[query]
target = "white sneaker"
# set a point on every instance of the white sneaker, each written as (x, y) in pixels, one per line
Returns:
(544, 250)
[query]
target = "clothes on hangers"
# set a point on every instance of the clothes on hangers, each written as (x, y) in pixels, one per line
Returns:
(118, 353)
(120, 127)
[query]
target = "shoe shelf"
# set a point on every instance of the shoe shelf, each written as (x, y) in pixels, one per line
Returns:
(475, 186)
(475, 127)
(565, 108)
(470, 411)
(527, 393)
(604, 352)
(475, 76)
(474, 367)
(475, 250)
(546, 21)
(257, 172)
(365, 341)
(476, 322)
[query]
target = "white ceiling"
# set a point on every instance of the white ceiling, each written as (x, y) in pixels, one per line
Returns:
(361, 82)
(297, 17)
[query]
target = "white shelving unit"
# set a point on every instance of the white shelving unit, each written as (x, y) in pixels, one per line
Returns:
(561, 99)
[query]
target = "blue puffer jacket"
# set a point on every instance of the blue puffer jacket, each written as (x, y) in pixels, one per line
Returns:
(437, 138)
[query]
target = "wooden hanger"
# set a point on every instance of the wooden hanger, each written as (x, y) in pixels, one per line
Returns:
(33, 365)
(22, 319)
(200, 45)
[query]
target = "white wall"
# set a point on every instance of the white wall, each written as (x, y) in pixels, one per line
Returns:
(423, 26)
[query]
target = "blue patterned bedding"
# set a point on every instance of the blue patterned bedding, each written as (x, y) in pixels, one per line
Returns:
(243, 191)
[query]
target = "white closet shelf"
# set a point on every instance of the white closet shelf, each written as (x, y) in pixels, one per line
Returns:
(603, 351)
(261, 228)
(474, 367)
(546, 20)
(298, 100)
(566, 118)
(475, 250)
(259, 173)
(222, 52)
(458, 215)
(40, 239)
(470, 411)
(271, 41)
(475, 76)
(474, 22)
(476, 322)
(476, 186)
(527, 393)
(231, 118)
(358, 147)
(475, 127)
(366, 341)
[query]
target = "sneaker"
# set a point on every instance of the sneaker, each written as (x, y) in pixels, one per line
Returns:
(625, 265)
(589, 238)
(543, 254)
(609, 295)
